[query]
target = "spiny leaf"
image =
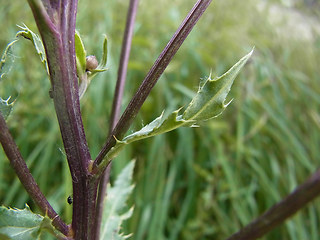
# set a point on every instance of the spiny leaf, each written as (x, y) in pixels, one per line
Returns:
(115, 205)
(37, 43)
(160, 125)
(7, 60)
(5, 107)
(16, 224)
(210, 99)
(208, 103)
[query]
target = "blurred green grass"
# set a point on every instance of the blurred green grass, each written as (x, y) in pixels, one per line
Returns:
(202, 183)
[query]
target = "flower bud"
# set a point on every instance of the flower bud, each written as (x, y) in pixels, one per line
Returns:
(91, 63)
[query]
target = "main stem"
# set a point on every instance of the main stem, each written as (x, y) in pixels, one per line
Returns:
(56, 24)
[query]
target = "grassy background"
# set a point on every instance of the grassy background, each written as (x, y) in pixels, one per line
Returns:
(202, 183)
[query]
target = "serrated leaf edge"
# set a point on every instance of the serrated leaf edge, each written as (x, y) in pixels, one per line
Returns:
(7, 104)
(177, 120)
(4, 56)
(219, 97)
(37, 43)
(45, 222)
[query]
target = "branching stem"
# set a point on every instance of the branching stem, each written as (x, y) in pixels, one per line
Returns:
(26, 178)
(151, 79)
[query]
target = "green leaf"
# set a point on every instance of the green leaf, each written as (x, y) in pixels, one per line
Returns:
(7, 60)
(104, 53)
(208, 103)
(160, 125)
(16, 224)
(115, 210)
(210, 99)
(103, 63)
(37, 43)
(80, 54)
(81, 64)
(5, 107)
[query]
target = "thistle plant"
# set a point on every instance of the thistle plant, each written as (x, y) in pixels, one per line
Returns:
(96, 208)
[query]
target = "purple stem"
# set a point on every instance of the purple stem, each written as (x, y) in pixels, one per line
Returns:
(276, 215)
(26, 178)
(116, 106)
(56, 23)
(151, 79)
(123, 64)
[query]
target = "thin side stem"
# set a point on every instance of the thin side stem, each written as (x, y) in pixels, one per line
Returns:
(152, 77)
(26, 178)
(276, 215)
(123, 64)
(116, 106)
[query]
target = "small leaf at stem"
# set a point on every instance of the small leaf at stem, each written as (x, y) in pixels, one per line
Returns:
(37, 43)
(80, 54)
(85, 70)
(81, 64)
(16, 224)
(115, 205)
(5, 107)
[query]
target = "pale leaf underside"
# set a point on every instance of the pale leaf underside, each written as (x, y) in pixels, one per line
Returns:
(115, 205)
(5, 107)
